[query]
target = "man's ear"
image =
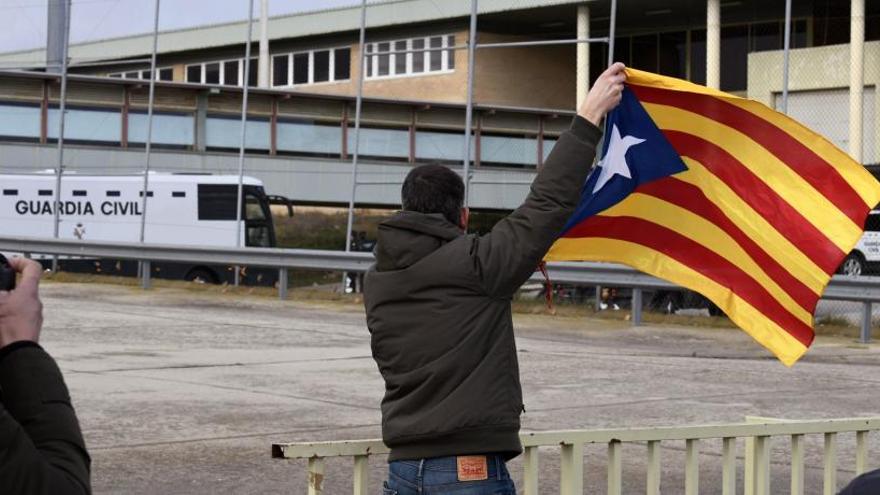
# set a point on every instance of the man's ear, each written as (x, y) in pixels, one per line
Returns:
(465, 216)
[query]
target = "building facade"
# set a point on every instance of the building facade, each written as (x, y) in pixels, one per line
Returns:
(416, 79)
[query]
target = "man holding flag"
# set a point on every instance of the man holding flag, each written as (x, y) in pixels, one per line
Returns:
(438, 309)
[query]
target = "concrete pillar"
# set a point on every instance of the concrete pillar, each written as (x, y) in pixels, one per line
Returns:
(713, 44)
(56, 24)
(856, 77)
(201, 121)
(263, 62)
(583, 53)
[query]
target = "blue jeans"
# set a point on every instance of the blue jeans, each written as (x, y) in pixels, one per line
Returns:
(440, 475)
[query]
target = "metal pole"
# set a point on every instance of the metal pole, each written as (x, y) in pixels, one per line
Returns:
(282, 283)
(149, 143)
(612, 27)
(469, 111)
(56, 22)
(357, 131)
(867, 313)
(856, 77)
(61, 109)
(785, 56)
(713, 44)
(244, 108)
(263, 66)
(637, 307)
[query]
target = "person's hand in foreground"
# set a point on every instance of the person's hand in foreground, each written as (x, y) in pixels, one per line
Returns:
(604, 95)
(21, 312)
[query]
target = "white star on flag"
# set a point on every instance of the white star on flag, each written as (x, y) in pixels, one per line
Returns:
(614, 162)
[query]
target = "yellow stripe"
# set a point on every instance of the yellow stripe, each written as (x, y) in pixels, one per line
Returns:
(764, 330)
(865, 185)
(755, 226)
(788, 184)
(706, 233)
(642, 78)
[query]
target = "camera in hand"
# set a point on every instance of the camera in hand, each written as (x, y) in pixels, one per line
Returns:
(7, 275)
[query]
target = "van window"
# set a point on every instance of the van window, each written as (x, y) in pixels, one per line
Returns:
(872, 224)
(217, 201)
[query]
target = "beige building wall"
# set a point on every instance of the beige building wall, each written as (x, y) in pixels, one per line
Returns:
(814, 70)
(540, 77)
(536, 77)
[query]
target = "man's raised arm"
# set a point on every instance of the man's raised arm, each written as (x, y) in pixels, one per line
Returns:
(510, 253)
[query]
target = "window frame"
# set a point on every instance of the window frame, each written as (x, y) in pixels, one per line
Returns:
(310, 78)
(444, 52)
(141, 72)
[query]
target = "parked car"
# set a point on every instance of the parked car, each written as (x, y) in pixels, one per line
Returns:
(864, 259)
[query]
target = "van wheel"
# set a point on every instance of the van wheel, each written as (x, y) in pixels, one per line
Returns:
(853, 265)
(201, 276)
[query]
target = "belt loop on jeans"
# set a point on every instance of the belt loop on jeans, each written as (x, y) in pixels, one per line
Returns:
(498, 467)
(419, 476)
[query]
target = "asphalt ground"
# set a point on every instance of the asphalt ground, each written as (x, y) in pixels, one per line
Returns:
(180, 391)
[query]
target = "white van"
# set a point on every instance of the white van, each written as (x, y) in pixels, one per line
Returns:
(193, 210)
(864, 258)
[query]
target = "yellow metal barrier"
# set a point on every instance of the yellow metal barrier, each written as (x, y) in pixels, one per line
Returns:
(757, 432)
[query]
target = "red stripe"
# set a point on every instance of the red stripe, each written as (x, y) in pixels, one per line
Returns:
(691, 198)
(806, 163)
(699, 258)
(761, 197)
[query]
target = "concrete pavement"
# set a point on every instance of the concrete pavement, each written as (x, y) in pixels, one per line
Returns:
(183, 392)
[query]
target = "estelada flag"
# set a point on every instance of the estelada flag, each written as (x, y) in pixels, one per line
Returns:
(726, 197)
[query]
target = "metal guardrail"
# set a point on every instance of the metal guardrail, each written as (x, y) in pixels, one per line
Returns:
(757, 432)
(865, 290)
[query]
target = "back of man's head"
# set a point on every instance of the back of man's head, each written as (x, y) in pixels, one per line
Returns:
(434, 189)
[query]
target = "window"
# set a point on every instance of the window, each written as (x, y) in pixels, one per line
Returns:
(20, 121)
(400, 58)
(436, 57)
(103, 125)
(194, 73)
(169, 129)
(224, 132)
(165, 74)
(673, 52)
(230, 73)
(300, 68)
(252, 72)
(217, 201)
(342, 64)
(322, 66)
(212, 73)
(384, 60)
(280, 74)
(734, 53)
(307, 137)
(872, 223)
(420, 55)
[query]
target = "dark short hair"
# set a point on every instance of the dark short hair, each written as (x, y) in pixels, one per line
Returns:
(434, 189)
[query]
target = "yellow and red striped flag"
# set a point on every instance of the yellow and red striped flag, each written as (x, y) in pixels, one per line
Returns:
(724, 196)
